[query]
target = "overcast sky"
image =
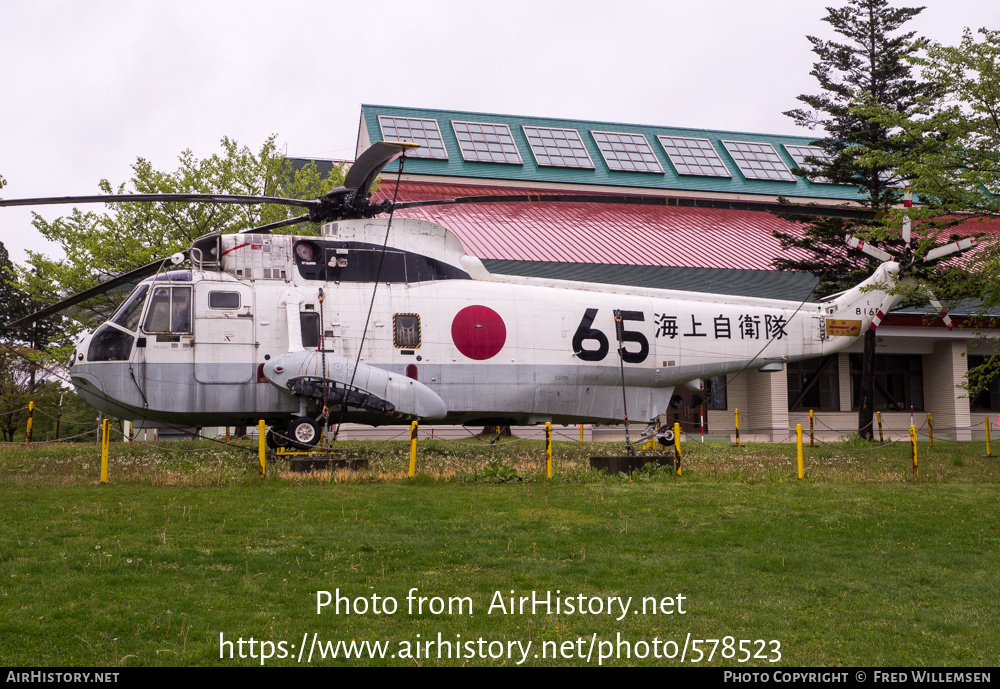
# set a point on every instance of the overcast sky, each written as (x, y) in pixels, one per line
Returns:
(90, 86)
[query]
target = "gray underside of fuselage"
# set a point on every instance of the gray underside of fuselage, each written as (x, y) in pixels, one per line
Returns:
(473, 393)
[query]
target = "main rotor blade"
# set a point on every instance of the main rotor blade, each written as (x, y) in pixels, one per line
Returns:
(861, 245)
(106, 286)
(161, 198)
(954, 247)
(369, 164)
(266, 229)
(776, 208)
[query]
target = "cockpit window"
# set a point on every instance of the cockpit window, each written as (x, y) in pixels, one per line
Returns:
(109, 344)
(128, 315)
(169, 311)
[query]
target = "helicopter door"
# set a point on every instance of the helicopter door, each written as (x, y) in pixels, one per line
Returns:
(223, 333)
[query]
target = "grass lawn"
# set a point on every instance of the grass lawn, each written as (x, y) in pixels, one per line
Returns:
(859, 564)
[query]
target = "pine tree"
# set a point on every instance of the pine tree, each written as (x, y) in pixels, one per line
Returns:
(871, 64)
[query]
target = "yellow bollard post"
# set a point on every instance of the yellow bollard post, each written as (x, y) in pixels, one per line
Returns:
(987, 421)
(930, 432)
(878, 415)
(798, 445)
(548, 449)
(737, 428)
(262, 447)
(913, 442)
(227, 436)
(413, 449)
(581, 432)
(812, 440)
(677, 447)
(31, 411)
(105, 439)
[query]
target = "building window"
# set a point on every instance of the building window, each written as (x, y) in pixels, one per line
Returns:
(628, 152)
(694, 156)
(814, 384)
(486, 143)
(759, 161)
(899, 382)
(423, 132)
(557, 147)
(988, 399)
(801, 156)
(715, 391)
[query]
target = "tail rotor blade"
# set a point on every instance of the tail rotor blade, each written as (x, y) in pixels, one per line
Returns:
(872, 251)
(952, 248)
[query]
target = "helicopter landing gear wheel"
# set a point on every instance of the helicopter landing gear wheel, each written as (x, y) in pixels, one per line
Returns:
(665, 437)
(303, 433)
(274, 440)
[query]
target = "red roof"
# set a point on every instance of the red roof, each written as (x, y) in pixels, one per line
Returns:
(607, 233)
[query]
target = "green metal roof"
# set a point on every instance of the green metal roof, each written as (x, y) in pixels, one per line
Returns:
(530, 172)
(769, 284)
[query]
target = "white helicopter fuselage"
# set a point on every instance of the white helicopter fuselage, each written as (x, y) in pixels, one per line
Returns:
(270, 325)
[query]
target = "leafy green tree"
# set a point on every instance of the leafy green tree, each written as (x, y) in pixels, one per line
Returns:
(873, 61)
(949, 149)
(950, 153)
(98, 246)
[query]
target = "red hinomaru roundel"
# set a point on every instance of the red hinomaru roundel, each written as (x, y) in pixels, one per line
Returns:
(478, 332)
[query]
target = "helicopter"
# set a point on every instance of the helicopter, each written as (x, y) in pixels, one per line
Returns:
(381, 321)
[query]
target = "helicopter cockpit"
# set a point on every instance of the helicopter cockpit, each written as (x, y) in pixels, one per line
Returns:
(169, 312)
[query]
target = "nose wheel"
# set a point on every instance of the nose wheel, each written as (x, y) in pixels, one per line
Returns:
(303, 433)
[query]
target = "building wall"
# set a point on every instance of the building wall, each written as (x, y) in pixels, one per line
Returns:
(762, 400)
(944, 396)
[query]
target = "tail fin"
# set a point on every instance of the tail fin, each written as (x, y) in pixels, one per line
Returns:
(870, 300)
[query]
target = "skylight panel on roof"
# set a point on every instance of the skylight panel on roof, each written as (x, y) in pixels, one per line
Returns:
(419, 131)
(759, 161)
(486, 143)
(629, 152)
(691, 156)
(801, 153)
(557, 147)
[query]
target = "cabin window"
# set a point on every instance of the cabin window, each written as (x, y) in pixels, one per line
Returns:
(169, 311)
(899, 382)
(988, 399)
(310, 329)
(110, 344)
(128, 315)
(223, 300)
(814, 384)
(406, 330)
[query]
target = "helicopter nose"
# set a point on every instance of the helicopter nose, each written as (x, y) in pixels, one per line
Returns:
(80, 351)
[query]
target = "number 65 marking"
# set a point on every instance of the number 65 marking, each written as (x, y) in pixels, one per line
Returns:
(585, 332)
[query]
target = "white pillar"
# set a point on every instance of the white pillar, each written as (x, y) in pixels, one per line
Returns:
(944, 397)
